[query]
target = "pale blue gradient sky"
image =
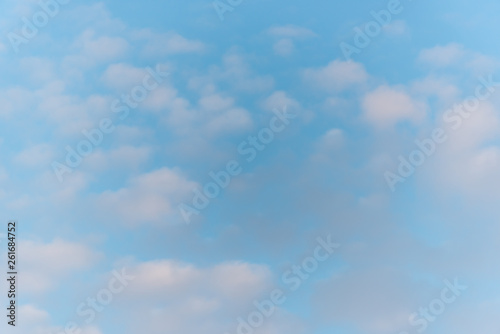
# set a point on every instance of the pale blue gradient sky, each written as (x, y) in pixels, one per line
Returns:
(322, 175)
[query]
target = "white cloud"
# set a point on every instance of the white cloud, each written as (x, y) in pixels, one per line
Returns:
(31, 314)
(457, 56)
(15, 101)
(38, 69)
(93, 50)
(39, 155)
(104, 48)
(123, 157)
(70, 113)
(336, 76)
(443, 88)
(67, 192)
(284, 47)
(162, 44)
(286, 37)
(37, 321)
(216, 115)
(279, 100)
(148, 198)
(231, 121)
(376, 300)
(44, 265)
(469, 160)
(386, 106)
(291, 31)
(332, 140)
(441, 56)
(479, 317)
(176, 297)
(123, 76)
(237, 72)
(233, 280)
(396, 28)
(161, 98)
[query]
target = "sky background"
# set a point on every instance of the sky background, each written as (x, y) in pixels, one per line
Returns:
(323, 175)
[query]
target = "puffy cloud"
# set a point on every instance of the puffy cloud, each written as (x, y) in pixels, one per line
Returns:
(125, 155)
(333, 139)
(15, 101)
(37, 321)
(38, 69)
(32, 314)
(149, 198)
(231, 281)
(162, 44)
(457, 56)
(386, 106)
(291, 31)
(468, 161)
(475, 316)
(336, 76)
(443, 88)
(441, 56)
(396, 28)
(46, 264)
(173, 297)
(123, 77)
(237, 72)
(280, 99)
(284, 47)
(95, 50)
(287, 35)
(39, 155)
(377, 300)
(216, 115)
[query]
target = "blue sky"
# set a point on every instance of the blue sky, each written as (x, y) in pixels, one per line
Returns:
(324, 174)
